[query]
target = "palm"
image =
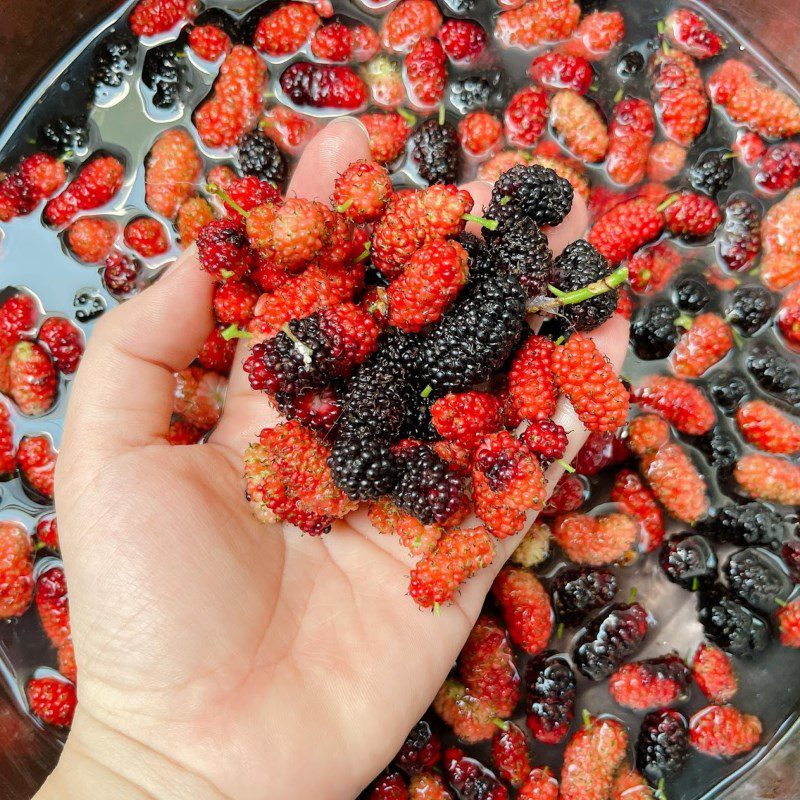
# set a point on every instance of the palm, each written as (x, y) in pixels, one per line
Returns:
(237, 651)
(262, 629)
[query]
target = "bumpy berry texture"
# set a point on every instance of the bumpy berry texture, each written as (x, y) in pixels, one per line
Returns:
(288, 479)
(150, 17)
(459, 554)
(676, 482)
(730, 625)
(232, 108)
(713, 673)
(52, 603)
(724, 731)
(579, 123)
(507, 484)
(486, 667)
(585, 377)
(748, 524)
(429, 284)
(16, 570)
(622, 230)
(756, 577)
(540, 784)
(52, 700)
(708, 341)
(578, 267)
(64, 341)
(526, 608)
(510, 755)
(96, 184)
(467, 418)
(652, 683)
(471, 718)
(767, 428)
(630, 135)
(630, 785)
(550, 698)
(591, 759)
(531, 383)
(662, 747)
(788, 618)
(596, 541)
(420, 751)
(610, 639)
(681, 403)
(748, 100)
(427, 486)
(689, 560)
(651, 268)
(33, 382)
(474, 338)
(769, 478)
(470, 778)
(428, 786)
(578, 591)
(426, 73)
(635, 498)
(415, 219)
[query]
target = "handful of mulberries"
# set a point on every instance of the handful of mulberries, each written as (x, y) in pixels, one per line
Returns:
(398, 347)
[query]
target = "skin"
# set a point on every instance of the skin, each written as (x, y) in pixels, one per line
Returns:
(218, 657)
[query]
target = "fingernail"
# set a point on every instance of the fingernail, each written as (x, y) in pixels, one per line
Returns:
(351, 121)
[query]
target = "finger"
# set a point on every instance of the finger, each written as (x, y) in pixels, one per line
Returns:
(328, 154)
(573, 227)
(123, 392)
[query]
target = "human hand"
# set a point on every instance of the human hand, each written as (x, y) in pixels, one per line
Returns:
(218, 657)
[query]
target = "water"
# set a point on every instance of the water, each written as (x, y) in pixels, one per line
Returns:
(126, 123)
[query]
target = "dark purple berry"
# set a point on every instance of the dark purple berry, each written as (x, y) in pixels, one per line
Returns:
(755, 577)
(550, 697)
(689, 560)
(610, 640)
(420, 751)
(662, 746)
(731, 625)
(579, 591)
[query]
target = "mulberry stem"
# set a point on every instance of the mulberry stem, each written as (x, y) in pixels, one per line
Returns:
(616, 278)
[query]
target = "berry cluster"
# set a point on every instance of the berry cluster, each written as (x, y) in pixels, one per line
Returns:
(379, 375)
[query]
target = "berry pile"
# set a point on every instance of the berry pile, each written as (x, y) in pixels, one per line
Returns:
(396, 346)
(394, 380)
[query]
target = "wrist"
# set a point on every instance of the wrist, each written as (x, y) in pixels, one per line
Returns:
(102, 763)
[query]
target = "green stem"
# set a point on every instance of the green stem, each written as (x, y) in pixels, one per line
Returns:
(344, 206)
(234, 332)
(407, 116)
(442, 115)
(616, 278)
(220, 192)
(567, 467)
(426, 392)
(668, 202)
(365, 255)
(491, 224)
(501, 723)
(683, 321)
